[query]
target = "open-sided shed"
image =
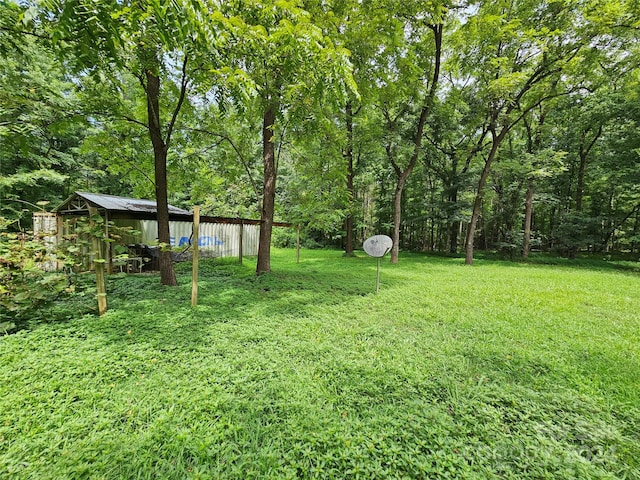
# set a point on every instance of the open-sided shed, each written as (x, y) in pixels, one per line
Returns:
(218, 236)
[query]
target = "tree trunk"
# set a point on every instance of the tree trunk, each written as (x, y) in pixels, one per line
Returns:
(167, 274)
(454, 226)
(528, 215)
(348, 224)
(397, 211)
(636, 229)
(268, 192)
(534, 142)
(616, 225)
(477, 203)
(583, 152)
(580, 181)
(552, 228)
(424, 113)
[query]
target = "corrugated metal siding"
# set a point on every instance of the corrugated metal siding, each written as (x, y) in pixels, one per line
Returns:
(45, 228)
(222, 240)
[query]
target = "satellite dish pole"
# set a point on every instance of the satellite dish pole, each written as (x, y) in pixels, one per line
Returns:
(377, 246)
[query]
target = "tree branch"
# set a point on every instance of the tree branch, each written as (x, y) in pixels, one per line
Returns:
(585, 151)
(183, 90)
(395, 166)
(620, 223)
(134, 166)
(24, 32)
(228, 139)
(133, 120)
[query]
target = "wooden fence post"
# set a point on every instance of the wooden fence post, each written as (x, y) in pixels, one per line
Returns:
(240, 241)
(107, 255)
(195, 245)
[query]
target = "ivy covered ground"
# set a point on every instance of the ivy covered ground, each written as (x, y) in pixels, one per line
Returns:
(500, 370)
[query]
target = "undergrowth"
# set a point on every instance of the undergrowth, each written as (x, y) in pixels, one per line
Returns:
(500, 370)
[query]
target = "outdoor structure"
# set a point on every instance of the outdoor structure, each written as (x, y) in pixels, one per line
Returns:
(218, 236)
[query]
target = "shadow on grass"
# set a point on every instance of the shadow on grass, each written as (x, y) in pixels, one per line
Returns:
(230, 292)
(253, 375)
(141, 310)
(597, 262)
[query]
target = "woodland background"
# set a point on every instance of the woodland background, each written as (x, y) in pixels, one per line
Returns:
(508, 125)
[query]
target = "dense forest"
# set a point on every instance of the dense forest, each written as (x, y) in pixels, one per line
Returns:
(504, 125)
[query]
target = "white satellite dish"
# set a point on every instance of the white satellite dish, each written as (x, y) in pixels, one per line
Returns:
(377, 246)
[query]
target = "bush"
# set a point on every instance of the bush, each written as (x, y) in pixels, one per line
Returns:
(25, 282)
(284, 237)
(574, 232)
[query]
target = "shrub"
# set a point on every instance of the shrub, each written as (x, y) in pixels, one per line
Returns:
(574, 232)
(25, 282)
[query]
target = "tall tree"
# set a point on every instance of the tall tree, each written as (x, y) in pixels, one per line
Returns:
(363, 30)
(39, 126)
(290, 63)
(154, 41)
(538, 162)
(410, 85)
(456, 140)
(515, 53)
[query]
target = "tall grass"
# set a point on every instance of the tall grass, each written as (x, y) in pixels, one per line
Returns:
(500, 370)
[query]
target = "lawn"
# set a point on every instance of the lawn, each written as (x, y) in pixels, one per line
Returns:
(500, 370)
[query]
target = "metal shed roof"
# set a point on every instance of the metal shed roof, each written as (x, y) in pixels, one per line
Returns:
(123, 207)
(79, 201)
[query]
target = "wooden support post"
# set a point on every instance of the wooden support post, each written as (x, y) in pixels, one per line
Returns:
(240, 241)
(194, 271)
(298, 245)
(98, 262)
(59, 236)
(107, 245)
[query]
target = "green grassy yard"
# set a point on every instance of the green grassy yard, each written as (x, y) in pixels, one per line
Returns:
(500, 370)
